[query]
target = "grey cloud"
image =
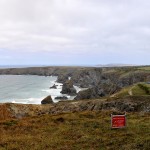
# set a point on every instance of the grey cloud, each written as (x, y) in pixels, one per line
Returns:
(75, 26)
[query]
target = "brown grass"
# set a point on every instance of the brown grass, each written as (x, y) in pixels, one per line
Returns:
(4, 113)
(75, 131)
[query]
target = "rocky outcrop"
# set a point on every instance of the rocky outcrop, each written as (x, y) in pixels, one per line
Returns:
(103, 89)
(62, 78)
(68, 88)
(128, 104)
(87, 78)
(61, 98)
(47, 100)
(53, 87)
(89, 94)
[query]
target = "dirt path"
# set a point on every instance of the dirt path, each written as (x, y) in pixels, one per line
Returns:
(130, 91)
(113, 95)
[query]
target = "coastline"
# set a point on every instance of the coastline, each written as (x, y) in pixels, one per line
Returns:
(102, 81)
(126, 104)
(48, 91)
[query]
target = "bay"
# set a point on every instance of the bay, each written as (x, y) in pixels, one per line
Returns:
(28, 89)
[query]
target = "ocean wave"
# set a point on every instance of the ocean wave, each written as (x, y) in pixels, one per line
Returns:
(29, 101)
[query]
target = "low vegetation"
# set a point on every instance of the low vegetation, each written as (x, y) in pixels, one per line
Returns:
(138, 89)
(75, 131)
(146, 68)
(145, 88)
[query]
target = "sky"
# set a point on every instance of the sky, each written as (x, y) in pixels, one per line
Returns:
(74, 32)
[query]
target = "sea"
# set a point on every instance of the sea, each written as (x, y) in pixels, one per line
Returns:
(29, 89)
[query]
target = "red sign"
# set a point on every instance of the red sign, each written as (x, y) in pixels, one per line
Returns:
(118, 121)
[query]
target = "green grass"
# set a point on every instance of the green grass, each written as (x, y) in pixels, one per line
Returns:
(123, 92)
(136, 90)
(141, 89)
(76, 131)
(144, 68)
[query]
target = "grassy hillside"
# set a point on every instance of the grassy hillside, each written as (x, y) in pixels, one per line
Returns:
(135, 90)
(146, 68)
(75, 131)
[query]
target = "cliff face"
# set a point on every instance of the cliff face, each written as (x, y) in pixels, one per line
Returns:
(87, 77)
(108, 82)
(80, 75)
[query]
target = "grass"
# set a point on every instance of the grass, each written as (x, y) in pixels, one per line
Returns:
(122, 93)
(141, 89)
(145, 68)
(136, 90)
(75, 131)
(145, 88)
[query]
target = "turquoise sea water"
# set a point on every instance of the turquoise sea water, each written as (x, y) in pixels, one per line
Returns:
(27, 88)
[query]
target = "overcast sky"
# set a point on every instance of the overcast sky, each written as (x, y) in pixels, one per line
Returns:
(74, 32)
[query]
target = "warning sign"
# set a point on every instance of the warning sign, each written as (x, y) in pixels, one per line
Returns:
(118, 121)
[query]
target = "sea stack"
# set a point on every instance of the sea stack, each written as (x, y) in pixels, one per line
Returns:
(47, 100)
(68, 88)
